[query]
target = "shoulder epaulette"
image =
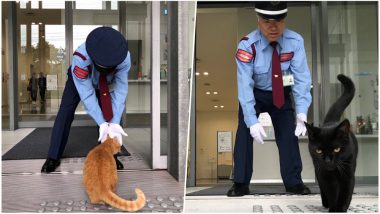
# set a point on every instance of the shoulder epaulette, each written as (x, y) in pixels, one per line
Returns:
(76, 53)
(244, 38)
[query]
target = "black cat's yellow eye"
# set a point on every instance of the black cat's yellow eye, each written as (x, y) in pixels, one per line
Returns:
(318, 151)
(337, 149)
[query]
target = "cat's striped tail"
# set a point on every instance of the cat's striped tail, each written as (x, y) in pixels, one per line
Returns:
(125, 205)
(336, 110)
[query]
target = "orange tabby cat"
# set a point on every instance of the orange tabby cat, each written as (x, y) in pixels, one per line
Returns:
(100, 177)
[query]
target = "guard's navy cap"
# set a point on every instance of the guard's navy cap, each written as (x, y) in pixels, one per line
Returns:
(271, 10)
(106, 46)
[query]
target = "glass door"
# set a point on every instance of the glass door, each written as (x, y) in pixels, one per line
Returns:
(140, 24)
(47, 35)
(41, 56)
(352, 32)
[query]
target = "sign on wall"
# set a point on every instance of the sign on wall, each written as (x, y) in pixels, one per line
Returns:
(51, 82)
(224, 139)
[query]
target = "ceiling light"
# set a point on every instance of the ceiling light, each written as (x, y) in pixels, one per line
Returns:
(208, 92)
(221, 106)
(197, 73)
(215, 106)
(215, 92)
(205, 73)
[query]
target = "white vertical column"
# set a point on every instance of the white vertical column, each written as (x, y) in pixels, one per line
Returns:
(158, 161)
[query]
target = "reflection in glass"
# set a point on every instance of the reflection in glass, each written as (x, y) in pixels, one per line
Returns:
(90, 5)
(35, 4)
(23, 4)
(4, 70)
(114, 5)
(355, 54)
(53, 4)
(41, 56)
(34, 35)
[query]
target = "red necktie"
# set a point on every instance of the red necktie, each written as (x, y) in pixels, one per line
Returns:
(277, 84)
(105, 97)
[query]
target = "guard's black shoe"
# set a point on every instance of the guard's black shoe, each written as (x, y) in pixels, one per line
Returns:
(50, 165)
(119, 165)
(238, 190)
(299, 189)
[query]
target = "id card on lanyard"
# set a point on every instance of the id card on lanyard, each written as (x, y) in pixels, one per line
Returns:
(287, 78)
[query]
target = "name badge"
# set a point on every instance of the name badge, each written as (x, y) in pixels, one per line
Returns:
(287, 78)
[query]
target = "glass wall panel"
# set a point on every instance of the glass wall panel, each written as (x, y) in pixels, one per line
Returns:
(138, 107)
(41, 55)
(23, 4)
(4, 66)
(53, 5)
(90, 5)
(353, 51)
(35, 4)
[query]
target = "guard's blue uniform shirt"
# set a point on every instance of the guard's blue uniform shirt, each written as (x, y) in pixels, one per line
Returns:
(256, 70)
(86, 80)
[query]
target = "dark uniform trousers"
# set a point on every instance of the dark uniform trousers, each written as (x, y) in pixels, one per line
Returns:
(64, 119)
(283, 121)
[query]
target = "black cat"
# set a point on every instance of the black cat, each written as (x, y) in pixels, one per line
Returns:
(334, 148)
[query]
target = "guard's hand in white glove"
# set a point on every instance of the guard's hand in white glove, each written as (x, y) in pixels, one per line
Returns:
(300, 128)
(257, 132)
(103, 131)
(116, 131)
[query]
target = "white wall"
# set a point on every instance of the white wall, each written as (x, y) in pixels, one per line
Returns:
(207, 125)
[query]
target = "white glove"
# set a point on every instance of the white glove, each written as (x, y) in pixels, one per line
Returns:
(116, 131)
(103, 131)
(300, 128)
(257, 132)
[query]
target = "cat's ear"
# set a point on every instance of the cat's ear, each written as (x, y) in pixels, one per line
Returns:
(344, 128)
(311, 131)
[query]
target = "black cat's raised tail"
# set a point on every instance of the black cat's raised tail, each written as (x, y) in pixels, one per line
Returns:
(337, 109)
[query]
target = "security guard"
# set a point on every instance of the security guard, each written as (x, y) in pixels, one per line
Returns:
(271, 64)
(98, 77)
